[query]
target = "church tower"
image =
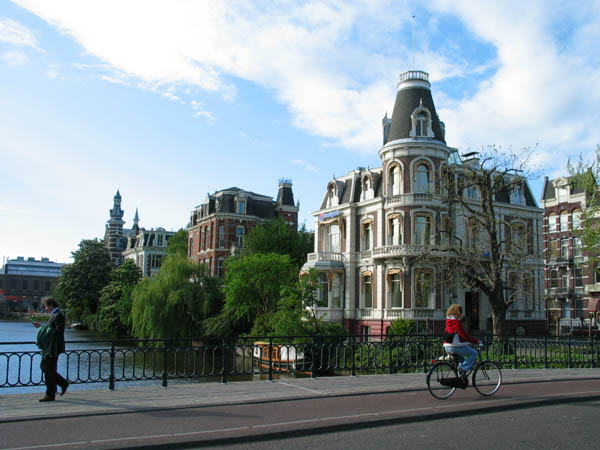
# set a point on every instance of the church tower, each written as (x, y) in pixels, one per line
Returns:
(113, 235)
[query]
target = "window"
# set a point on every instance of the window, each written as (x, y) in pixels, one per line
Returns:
(190, 247)
(367, 236)
(332, 238)
(445, 232)
(336, 291)
(25, 284)
(517, 197)
(579, 307)
(422, 230)
(527, 291)
(421, 128)
(323, 299)
(576, 217)
(473, 234)
(513, 288)
(201, 244)
(365, 332)
(367, 189)
(563, 194)
(422, 179)
(423, 287)
(241, 207)
(13, 284)
(395, 230)
(578, 274)
(518, 237)
(553, 244)
(367, 292)
(396, 291)
(564, 278)
(332, 199)
(220, 266)
(551, 223)
(160, 240)
(36, 285)
(47, 286)
(394, 180)
(221, 236)
(564, 221)
(577, 248)
(239, 236)
(564, 249)
(208, 238)
(553, 278)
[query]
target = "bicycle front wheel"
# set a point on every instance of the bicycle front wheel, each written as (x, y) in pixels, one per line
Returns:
(487, 378)
(441, 371)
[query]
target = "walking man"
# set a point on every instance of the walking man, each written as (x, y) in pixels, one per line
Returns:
(51, 340)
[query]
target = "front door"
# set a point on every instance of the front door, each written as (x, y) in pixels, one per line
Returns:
(472, 310)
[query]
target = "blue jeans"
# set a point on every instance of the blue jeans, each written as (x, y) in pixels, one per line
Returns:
(466, 354)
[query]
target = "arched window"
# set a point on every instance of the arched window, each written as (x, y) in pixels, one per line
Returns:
(421, 128)
(332, 238)
(367, 292)
(395, 230)
(323, 299)
(576, 219)
(564, 221)
(395, 285)
(422, 179)
(366, 236)
(551, 223)
(367, 188)
(394, 180)
(423, 287)
(336, 291)
(422, 230)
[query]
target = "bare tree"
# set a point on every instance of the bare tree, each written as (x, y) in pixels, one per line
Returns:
(484, 245)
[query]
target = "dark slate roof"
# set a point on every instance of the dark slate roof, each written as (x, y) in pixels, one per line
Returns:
(262, 209)
(407, 100)
(549, 191)
(285, 196)
(347, 191)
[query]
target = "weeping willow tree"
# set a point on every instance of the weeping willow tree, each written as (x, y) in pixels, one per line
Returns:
(174, 302)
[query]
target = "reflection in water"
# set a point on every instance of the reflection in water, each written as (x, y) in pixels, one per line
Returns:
(89, 361)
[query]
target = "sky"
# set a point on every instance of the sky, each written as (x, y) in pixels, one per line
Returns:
(169, 101)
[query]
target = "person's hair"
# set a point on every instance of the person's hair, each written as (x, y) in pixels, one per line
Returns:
(454, 310)
(51, 301)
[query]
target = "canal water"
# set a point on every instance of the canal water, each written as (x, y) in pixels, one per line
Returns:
(17, 336)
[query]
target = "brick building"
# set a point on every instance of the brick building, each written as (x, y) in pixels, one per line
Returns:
(572, 286)
(217, 227)
(25, 282)
(374, 224)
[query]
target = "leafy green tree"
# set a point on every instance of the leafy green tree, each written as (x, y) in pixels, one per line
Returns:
(174, 302)
(276, 236)
(584, 176)
(80, 283)
(114, 309)
(178, 243)
(253, 284)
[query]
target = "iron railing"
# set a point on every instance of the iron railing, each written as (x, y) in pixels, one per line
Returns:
(222, 359)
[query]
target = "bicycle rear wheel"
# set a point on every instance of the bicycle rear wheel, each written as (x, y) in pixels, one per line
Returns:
(487, 378)
(440, 371)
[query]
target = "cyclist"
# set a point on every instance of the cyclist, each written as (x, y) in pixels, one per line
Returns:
(456, 340)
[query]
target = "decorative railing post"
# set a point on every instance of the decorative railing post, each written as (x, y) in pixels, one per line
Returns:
(111, 376)
(313, 368)
(353, 346)
(165, 358)
(545, 352)
(569, 353)
(271, 358)
(224, 362)
(515, 362)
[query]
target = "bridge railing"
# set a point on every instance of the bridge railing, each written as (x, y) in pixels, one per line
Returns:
(225, 358)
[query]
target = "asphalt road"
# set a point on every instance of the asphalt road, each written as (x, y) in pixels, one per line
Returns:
(367, 414)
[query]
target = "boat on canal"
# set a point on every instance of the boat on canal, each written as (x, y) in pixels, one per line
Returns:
(283, 357)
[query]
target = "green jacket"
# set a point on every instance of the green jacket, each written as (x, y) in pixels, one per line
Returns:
(51, 336)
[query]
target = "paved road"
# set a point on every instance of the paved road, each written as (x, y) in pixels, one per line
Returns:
(312, 411)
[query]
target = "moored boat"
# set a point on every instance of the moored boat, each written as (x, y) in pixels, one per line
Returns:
(283, 358)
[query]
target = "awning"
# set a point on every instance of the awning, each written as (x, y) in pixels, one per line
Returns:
(593, 305)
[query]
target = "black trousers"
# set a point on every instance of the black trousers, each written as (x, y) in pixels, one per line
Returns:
(51, 376)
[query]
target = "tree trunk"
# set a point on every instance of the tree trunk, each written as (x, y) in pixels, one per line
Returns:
(498, 319)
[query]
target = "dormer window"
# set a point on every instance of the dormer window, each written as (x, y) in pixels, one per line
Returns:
(517, 196)
(367, 188)
(241, 207)
(332, 198)
(421, 122)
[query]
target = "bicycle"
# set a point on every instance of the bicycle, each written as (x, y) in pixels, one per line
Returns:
(443, 377)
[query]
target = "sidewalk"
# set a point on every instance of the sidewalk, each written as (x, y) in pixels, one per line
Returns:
(22, 407)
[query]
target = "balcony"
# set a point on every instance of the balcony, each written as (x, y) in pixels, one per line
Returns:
(326, 256)
(592, 288)
(410, 199)
(394, 251)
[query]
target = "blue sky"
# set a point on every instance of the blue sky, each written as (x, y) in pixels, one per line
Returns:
(169, 101)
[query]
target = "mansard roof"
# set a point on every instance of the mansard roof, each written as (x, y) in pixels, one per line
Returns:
(413, 91)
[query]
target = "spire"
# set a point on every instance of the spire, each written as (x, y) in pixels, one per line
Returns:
(136, 220)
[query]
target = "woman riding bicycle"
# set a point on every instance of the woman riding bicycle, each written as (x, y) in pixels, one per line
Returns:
(456, 340)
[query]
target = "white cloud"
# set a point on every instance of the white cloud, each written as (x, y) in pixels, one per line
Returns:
(114, 80)
(14, 59)
(307, 166)
(334, 65)
(12, 32)
(53, 70)
(206, 115)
